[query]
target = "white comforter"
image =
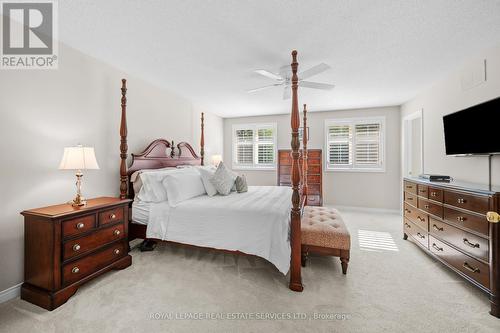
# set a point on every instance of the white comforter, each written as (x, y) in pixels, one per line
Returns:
(256, 222)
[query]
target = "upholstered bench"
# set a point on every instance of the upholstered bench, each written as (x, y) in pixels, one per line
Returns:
(324, 233)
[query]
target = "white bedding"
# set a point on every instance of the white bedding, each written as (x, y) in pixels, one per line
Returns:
(256, 222)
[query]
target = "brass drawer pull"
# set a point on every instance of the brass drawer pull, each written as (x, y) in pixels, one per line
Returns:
(409, 198)
(493, 217)
(409, 187)
(433, 194)
(437, 247)
(421, 219)
(420, 235)
(80, 225)
(407, 211)
(75, 270)
(112, 216)
(470, 268)
(426, 206)
(437, 228)
(76, 247)
(116, 251)
(461, 218)
(116, 232)
(466, 242)
(407, 225)
(461, 201)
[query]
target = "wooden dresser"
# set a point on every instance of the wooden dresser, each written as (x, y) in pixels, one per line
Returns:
(66, 246)
(314, 174)
(448, 220)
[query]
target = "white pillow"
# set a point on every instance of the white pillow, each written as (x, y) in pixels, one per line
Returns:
(182, 185)
(206, 174)
(136, 181)
(223, 179)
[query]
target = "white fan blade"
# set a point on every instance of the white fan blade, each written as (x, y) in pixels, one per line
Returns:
(313, 71)
(316, 85)
(287, 92)
(262, 88)
(268, 74)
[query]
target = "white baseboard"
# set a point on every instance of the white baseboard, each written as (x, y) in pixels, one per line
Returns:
(367, 209)
(10, 293)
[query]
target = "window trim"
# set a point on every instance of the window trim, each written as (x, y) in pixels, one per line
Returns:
(254, 127)
(352, 122)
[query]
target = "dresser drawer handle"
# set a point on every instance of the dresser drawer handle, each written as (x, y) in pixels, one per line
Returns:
(76, 247)
(434, 194)
(80, 225)
(437, 247)
(426, 206)
(420, 235)
(407, 211)
(470, 268)
(437, 228)
(466, 242)
(116, 251)
(112, 216)
(421, 219)
(461, 201)
(409, 187)
(461, 218)
(409, 198)
(116, 232)
(407, 225)
(75, 270)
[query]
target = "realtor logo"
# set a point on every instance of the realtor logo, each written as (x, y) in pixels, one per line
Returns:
(29, 39)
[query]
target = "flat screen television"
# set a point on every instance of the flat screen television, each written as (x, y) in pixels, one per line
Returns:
(473, 131)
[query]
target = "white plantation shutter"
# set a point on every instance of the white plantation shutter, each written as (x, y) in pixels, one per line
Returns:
(367, 144)
(254, 146)
(355, 144)
(339, 145)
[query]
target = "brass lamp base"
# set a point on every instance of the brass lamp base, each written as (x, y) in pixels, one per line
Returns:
(79, 200)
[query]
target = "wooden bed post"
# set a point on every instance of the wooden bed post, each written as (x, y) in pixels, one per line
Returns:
(304, 157)
(123, 143)
(202, 140)
(295, 240)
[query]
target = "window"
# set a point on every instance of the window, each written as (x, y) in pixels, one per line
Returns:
(355, 144)
(254, 146)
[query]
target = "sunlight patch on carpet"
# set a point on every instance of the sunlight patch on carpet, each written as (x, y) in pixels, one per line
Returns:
(376, 241)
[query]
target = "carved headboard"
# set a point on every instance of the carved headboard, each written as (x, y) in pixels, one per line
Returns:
(161, 154)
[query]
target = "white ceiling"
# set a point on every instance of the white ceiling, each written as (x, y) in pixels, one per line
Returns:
(382, 52)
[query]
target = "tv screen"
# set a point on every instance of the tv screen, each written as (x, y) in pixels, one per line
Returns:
(473, 130)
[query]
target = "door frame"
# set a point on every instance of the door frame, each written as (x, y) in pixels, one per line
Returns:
(406, 132)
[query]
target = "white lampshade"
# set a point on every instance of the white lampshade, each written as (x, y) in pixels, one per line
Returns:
(216, 159)
(78, 158)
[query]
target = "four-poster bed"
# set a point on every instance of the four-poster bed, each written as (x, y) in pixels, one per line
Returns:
(157, 156)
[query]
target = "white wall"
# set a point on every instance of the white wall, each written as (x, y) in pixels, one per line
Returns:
(447, 96)
(42, 111)
(361, 189)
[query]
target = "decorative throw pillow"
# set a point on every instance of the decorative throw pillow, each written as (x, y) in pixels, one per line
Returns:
(241, 184)
(206, 174)
(223, 179)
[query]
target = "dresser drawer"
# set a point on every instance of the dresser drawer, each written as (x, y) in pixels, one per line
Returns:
(77, 270)
(422, 191)
(111, 216)
(430, 207)
(473, 268)
(314, 154)
(91, 242)
(313, 200)
(314, 161)
(313, 169)
(435, 194)
(416, 233)
(78, 225)
(313, 189)
(471, 244)
(411, 198)
(478, 204)
(416, 216)
(472, 222)
(410, 187)
(313, 179)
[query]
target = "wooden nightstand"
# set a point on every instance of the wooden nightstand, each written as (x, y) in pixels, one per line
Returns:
(66, 246)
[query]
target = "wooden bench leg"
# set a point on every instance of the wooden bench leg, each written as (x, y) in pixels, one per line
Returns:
(344, 259)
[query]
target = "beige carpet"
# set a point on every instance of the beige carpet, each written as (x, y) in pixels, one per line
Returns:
(396, 288)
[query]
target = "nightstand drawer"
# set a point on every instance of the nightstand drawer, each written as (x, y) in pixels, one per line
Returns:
(111, 216)
(77, 270)
(91, 242)
(78, 225)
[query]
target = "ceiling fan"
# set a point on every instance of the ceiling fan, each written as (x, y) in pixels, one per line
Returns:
(284, 78)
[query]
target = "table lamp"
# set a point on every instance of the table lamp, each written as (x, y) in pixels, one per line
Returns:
(78, 158)
(216, 159)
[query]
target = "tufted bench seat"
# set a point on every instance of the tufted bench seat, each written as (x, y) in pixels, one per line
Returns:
(324, 232)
